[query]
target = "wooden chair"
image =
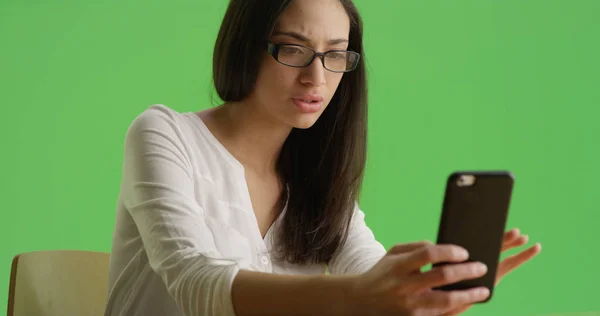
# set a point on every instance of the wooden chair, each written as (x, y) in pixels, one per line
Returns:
(58, 283)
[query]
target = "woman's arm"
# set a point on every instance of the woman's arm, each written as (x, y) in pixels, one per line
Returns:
(361, 250)
(257, 293)
(158, 192)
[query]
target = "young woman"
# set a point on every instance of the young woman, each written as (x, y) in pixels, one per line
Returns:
(241, 209)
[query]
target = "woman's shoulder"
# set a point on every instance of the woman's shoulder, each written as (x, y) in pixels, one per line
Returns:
(162, 128)
(156, 114)
(159, 118)
(165, 128)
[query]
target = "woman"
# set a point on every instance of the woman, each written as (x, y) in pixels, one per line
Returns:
(240, 209)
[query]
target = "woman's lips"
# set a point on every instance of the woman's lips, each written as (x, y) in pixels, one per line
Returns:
(308, 106)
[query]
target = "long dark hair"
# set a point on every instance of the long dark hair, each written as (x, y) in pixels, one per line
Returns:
(321, 166)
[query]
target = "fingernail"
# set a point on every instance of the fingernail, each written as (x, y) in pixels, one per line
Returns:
(485, 292)
(481, 268)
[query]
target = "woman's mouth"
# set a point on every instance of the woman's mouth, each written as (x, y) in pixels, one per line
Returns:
(309, 103)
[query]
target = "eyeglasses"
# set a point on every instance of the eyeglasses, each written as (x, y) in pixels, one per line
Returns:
(301, 56)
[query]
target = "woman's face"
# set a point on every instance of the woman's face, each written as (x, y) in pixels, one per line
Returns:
(322, 25)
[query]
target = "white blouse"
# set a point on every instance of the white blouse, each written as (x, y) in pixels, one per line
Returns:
(185, 225)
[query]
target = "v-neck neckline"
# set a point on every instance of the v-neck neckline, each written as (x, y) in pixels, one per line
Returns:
(203, 128)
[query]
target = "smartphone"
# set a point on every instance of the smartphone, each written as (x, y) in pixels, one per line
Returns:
(474, 215)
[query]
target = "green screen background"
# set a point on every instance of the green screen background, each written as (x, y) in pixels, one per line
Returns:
(453, 85)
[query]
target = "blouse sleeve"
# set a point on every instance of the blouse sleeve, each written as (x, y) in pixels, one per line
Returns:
(158, 192)
(361, 250)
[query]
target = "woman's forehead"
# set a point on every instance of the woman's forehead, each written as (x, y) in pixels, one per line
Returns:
(317, 20)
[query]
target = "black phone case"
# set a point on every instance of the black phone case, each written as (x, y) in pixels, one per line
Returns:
(474, 217)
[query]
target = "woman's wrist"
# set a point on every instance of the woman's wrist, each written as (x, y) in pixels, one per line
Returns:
(256, 293)
(344, 296)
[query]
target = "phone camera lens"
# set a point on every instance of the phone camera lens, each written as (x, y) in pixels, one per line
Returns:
(465, 180)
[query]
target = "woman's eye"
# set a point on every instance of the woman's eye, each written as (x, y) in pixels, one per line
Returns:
(290, 50)
(337, 56)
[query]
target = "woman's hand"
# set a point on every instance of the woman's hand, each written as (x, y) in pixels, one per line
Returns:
(396, 285)
(512, 239)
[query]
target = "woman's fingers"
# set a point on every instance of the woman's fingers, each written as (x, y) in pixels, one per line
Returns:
(510, 263)
(510, 236)
(446, 301)
(431, 255)
(444, 275)
(515, 242)
(459, 310)
(404, 248)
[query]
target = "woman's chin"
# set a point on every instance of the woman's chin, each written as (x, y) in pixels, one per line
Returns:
(305, 121)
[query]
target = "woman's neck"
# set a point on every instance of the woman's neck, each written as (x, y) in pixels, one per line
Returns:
(253, 138)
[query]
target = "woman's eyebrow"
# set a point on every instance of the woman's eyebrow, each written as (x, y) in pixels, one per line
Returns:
(305, 39)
